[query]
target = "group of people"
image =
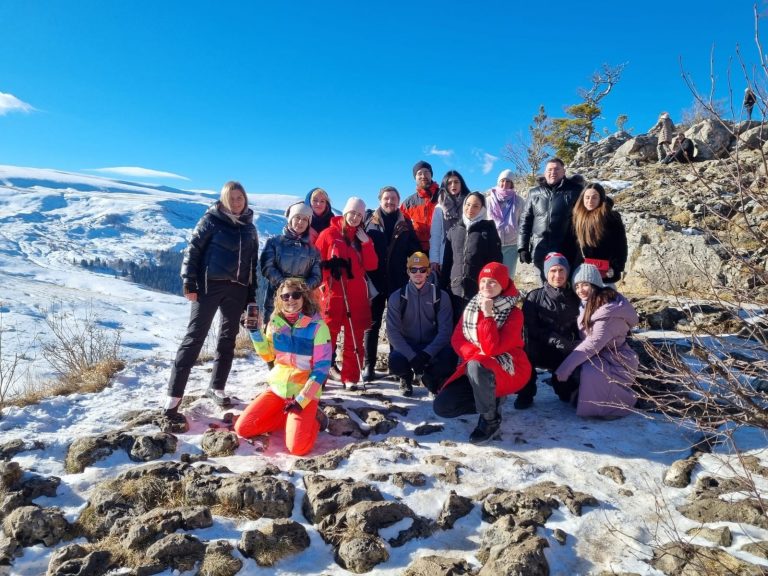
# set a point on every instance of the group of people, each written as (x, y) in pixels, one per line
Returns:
(440, 264)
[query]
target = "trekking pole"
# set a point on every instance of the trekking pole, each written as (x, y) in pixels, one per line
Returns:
(354, 340)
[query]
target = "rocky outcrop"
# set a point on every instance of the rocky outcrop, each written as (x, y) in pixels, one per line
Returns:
(83, 452)
(274, 542)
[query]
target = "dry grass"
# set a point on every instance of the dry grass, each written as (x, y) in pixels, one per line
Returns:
(90, 380)
(243, 344)
(219, 564)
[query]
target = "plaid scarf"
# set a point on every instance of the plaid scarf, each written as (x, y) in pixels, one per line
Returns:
(502, 308)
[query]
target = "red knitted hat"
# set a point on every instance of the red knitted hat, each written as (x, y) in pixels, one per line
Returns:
(498, 272)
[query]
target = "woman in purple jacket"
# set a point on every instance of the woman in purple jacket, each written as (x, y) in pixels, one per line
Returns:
(607, 364)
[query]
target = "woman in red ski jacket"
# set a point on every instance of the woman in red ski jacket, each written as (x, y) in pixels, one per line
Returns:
(346, 253)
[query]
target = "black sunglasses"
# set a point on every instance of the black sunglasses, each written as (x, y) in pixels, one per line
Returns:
(417, 270)
(288, 295)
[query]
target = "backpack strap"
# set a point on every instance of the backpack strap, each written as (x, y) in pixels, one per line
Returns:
(435, 302)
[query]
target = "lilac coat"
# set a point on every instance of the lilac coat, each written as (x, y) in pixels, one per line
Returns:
(608, 364)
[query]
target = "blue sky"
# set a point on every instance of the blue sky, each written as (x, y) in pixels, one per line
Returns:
(285, 96)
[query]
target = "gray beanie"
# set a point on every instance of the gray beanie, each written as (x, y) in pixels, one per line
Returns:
(587, 273)
(555, 258)
(298, 209)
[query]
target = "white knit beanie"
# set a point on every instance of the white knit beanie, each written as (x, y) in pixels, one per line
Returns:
(587, 273)
(355, 204)
(505, 174)
(298, 209)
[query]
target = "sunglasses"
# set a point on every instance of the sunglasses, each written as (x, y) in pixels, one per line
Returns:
(417, 270)
(291, 295)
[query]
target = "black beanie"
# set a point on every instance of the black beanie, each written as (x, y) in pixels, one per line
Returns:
(422, 164)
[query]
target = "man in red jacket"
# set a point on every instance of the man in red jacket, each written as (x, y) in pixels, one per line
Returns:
(420, 205)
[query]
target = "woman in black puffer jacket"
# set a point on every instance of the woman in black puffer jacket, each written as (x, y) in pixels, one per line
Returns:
(219, 273)
(471, 244)
(290, 255)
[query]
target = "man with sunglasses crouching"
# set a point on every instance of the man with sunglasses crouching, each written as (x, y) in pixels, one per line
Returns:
(419, 327)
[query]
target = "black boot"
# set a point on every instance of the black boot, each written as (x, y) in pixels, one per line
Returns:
(486, 430)
(369, 374)
(173, 421)
(406, 386)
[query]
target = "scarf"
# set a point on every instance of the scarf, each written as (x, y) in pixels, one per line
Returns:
(427, 194)
(389, 221)
(451, 206)
(469, 221)
(290, 318)
(503, 206)
(502, 308)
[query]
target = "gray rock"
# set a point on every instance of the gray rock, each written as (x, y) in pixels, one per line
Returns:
(597, 153)
(219, 443)
(679, 474)
(276, 541)
(711, 138)
(32, 525)
(362, 553)
(9, 549)
(377, 420)
(720, 536)
(326, 496)
(9, 449)
(708, 510)
(509, 549)
(754, 138)
(613, 472)
(10, 476)
(640, 149)
(759, 549)
(454, 507)
(438, 566)
(680, 559)
(426, 429)
(83, 452)
(74, 560)
(178, 551)
(560, 536)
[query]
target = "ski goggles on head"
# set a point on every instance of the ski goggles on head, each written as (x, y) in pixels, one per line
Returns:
(291, 295)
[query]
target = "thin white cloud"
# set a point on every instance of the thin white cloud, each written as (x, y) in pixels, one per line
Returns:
(137, 172)
(487, 160)
(9, 103)
(435, 151)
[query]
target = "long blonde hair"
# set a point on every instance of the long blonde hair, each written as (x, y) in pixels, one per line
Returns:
(589, 225)
(227, 190)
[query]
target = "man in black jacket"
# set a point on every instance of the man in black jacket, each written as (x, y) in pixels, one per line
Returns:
(546, 214)
(394, 241)
(551, 333)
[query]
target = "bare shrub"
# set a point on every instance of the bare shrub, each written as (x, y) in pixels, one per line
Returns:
(14, 365)
(81, 348)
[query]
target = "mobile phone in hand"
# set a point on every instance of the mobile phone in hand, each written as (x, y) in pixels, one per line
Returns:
(253, 317)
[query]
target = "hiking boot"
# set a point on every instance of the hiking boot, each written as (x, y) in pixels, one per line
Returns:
(218, 396)
(322, 420)
(406, 387)
(174, 422)
(485, 431)
(523, 402)
(334, 374)
(369, 375)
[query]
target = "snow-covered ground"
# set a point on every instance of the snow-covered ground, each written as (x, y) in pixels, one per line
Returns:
(48, 219)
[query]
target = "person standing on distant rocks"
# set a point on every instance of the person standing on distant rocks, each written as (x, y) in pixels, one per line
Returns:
(320, 202)
(297, 341)
(551, 333)
(489, 341)
(546, 215)
(419, 207)
(419, 327)
(504, 208)
(666, 131)
(394, 240)
(290, 254)
(219, 274)
(749, 101)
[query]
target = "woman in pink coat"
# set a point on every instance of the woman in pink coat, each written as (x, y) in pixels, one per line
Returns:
(607, 364)
(489, 341)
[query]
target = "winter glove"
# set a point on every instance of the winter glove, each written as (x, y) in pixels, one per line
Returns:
(292, 407)
(561, 344)
(337, 265)
(362, 236)
(420, 362)
(525, 256)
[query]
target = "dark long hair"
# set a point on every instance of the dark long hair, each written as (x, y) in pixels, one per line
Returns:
(599, 297)
(589, 225)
